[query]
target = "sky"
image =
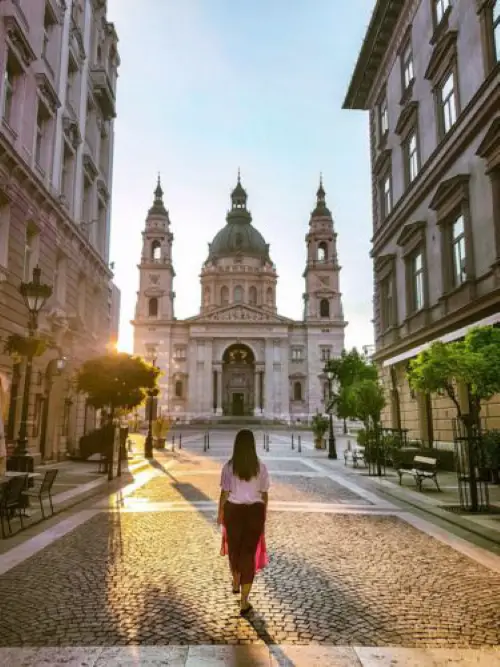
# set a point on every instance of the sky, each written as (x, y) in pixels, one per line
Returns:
(209, 86)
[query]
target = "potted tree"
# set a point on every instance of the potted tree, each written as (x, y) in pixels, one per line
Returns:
(319, 424)
(161, 428)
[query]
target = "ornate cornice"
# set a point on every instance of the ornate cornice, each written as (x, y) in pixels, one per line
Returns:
(18, 40)
(48, 91)
(378, 37)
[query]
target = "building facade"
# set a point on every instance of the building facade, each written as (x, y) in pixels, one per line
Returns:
(238, 356)
(114, 302)
(59, 64)
(429, 75)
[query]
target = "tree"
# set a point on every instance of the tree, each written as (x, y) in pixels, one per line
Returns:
(436, 370)
(473, 363)
(367, 401)
(116, 380)
(348, 370)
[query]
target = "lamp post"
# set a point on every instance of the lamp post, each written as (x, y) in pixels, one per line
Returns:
(35, 295)
(148, 443)
(332, 452)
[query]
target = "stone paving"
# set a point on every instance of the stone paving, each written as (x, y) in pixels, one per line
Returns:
(156, 578)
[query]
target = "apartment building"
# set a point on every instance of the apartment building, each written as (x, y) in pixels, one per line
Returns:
(429, 74)
(59, 62)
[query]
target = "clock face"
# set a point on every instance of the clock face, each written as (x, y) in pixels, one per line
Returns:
(154, 278)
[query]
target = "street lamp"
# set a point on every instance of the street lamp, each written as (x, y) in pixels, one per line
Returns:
(148, 443)
(332, 452)
(35, 295)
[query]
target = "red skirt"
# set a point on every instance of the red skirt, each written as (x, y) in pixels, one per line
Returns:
(243, 539)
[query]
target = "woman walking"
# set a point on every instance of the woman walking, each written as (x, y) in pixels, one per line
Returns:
(242, 510)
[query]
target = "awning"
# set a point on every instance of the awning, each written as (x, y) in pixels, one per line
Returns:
(447, 338)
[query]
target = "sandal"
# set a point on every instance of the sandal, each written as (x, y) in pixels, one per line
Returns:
(246, 610)
(236, 591)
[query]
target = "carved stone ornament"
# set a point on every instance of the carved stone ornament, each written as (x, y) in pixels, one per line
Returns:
(72, 131)
(240, 314)
(154, 278)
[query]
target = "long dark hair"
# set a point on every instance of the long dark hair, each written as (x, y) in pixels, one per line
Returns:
(244, 460)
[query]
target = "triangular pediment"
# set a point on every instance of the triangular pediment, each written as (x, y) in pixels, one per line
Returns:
(409, 230)
(491, 141)
(441, 54)
(448, 189)
(409, 114)
(240, 313)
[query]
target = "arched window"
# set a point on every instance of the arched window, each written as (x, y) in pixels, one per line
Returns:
(178, 389)
(156, 251)
(153, 307)
(238, 294)
(206, 296)
(324, 308)
(326, 392)
(297, 391)
(322, 255)
(252, 296)
(269, 297)
(224, 295)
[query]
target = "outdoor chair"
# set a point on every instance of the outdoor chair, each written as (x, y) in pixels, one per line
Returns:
(12, 500)
(44, 488)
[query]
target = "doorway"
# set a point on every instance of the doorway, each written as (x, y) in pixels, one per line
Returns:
(238, 381)
(238, 406)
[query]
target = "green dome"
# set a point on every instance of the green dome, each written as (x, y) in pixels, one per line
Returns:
(238, 237)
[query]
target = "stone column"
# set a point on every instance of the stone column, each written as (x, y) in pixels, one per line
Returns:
(218, 370)
(256, 393)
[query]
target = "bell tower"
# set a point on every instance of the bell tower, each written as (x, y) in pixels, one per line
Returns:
(322, 299)
(155, 299)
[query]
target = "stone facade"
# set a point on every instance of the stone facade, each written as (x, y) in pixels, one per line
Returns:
(429, 74)
(238, 356)
(59, 64)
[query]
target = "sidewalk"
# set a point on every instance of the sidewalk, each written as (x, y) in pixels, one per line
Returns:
(76, 482)
(431, 501)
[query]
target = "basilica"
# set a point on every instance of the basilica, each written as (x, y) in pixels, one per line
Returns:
(238, 357)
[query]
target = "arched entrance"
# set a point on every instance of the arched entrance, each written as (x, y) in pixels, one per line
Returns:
(238, 381)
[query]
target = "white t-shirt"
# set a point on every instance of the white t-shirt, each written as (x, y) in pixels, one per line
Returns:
(242, 492)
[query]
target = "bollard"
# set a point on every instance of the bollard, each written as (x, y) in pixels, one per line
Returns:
(293, 444)
(208, 439)
(299, 447)
(173, 442)
(267, 442)
(204, 442)
(180, 440)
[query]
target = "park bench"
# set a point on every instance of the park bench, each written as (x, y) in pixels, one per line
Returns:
(423, 467)
(355, 455)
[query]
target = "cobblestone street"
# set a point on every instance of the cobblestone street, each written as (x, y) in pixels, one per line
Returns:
(144, 569)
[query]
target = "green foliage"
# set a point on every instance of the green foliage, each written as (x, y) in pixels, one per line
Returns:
(473, 362)
(116, 380)
(367, 401)
(161, 427)
(26, 346)
(348, 370)
(491, 441)
(319, 425)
